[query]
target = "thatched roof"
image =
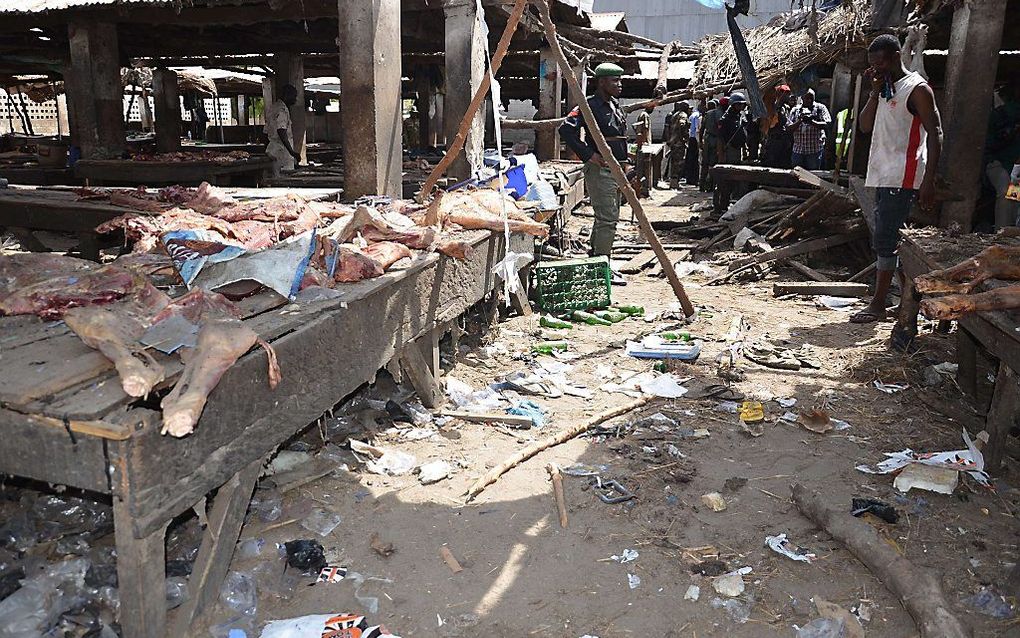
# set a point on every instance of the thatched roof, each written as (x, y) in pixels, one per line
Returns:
(786, 45)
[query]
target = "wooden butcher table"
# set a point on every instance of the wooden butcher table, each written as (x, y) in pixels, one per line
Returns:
(66, 419)
(247, 172)
(926, 249)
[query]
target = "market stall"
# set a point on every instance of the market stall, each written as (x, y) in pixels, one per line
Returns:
(924, 250)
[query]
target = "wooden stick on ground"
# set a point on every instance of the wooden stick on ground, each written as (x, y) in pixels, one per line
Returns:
(621, 178)
(917, 588)
(561, 501)
(493, 475)
(476, 101)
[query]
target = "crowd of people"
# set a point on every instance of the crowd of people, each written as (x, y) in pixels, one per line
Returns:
(722, 131)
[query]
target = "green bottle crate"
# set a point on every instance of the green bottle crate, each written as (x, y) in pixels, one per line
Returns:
(575, 284)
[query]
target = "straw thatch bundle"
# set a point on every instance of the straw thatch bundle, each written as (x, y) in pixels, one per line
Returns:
(777, 51)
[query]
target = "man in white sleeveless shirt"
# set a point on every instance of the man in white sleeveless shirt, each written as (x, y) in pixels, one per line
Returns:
(906, 143)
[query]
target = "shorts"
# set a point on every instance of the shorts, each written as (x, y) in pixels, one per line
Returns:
(892, 207)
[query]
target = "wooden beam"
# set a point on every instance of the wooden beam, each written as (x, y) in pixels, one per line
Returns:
(970, 76)
(836, 288)
(465, 74)
(141, 575)
(800, 248)
(550, 95)
(98, 93)
(167, 99)
(289, 68)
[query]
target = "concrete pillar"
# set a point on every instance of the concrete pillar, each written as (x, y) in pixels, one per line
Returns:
(974, 43)
(289, 68)
(371, 115)
(465, 65)
(550, 96)
(98, 94)
(167, 98)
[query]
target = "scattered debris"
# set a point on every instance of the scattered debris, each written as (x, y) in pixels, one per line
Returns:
(991, 603)
(836, 303)
(693, 593)
(816, 419)
(321, 521)
(381, 461)
(851, 624)
(384, 549)
(927, 477)
(626, 556)
(970, 461)
(655, 347)
(330, 574)
(434, 472)
(561, 501)
(884, 511)
(633, 581)
(714, 500)
(324, 625)
(451, 562)
(306, 555)
(731, 583)
(739, 611)
(918, 589)
(889, 388)
(782, 545)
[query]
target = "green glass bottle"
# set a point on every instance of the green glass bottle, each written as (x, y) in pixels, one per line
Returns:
(549, 321)
(590, 319)
(629, 310)
(611, 316)
(548, 347)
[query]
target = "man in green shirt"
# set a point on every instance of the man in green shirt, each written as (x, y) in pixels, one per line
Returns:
(1003, 151)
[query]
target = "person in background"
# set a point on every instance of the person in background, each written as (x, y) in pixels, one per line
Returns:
(602, 189)
(691, 165)
(808, 125)
(679, 136)
(778, 149)
(709, 140)
(1003, 152)
(278, 128)
(642, 136)
(906, 142)
(731, 141)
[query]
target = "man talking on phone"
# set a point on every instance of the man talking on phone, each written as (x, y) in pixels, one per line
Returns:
(906, 141)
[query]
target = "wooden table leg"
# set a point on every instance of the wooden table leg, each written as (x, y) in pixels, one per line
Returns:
(420, 362)
(966, 357)
(217, 547)
(905, 330)
(1003, 415)
(88, 245)
(141, 576)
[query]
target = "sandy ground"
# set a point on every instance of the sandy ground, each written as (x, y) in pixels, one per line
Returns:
(524, 575)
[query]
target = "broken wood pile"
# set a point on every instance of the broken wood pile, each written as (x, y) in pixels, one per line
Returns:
(778, 223)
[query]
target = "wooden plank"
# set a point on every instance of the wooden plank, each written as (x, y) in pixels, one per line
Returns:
(807, 271)
(638, 262)
(329, 357)
(141, 575)
(489, 417)
(43, 368)
(217, 546)
(809, 178)
(835, 288)
(800, 248)
(966, 358)
(1003, 415)
(420, 371)
(49, 454)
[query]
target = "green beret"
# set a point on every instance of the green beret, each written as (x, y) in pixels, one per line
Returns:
(608, 70)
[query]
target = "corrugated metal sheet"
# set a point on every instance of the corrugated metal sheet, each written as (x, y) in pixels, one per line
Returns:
(38, 6)
(608, 21)
(686, 20)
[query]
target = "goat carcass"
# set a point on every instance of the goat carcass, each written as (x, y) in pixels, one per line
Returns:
(994, 262)
(222, 340)
(483, 209)
(25, 269)
(114, 330)
(955, 306)
(353, 265)
(386, 253)
(51, 298)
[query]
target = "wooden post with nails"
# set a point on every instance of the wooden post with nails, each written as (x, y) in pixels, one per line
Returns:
(614, 166)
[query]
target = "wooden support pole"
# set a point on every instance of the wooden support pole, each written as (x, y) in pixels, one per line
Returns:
(423, 86)
(141, 575)
(465, 75)
(662, 82)
(1002, 417)
(372, 114)
(467, 122)
(167, 100)
(98, 93)
(971, 67)
(289, 68)
(647, 231)
(550, 95)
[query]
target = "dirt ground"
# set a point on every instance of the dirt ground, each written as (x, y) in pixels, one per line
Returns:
(524, 575)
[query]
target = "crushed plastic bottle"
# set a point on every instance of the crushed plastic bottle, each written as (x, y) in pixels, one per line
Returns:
(250, 548)
(268, 506)
(35, 608)
(823, 628)
(176, 591)
(321, 521)
(238, 593)
(990, 603)
(739, 611)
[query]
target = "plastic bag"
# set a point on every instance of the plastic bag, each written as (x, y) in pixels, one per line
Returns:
(34, 609)
(321, 521)
(238, 593)
(823, 628)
